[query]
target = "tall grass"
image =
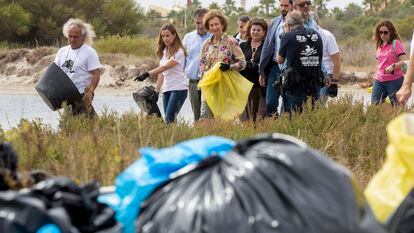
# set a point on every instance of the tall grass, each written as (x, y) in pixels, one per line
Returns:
(86, 149)
(140, 46)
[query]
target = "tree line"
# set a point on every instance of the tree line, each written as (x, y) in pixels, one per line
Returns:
(40, 22)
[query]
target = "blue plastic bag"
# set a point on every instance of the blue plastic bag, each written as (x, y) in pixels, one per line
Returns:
(155, 167)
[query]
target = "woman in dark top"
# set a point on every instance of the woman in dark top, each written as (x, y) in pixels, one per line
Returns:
(252, 49)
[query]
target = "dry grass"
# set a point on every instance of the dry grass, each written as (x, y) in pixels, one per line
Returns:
(85, 149)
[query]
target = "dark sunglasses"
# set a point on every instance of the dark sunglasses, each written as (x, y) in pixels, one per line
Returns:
(303, 3)
(383, 32)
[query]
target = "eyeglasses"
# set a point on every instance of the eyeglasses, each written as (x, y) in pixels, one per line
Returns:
(303, 4)
(384, 32)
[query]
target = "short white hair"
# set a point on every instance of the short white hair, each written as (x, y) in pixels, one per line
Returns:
(86, 29)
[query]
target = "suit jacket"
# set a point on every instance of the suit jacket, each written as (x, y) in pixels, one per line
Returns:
(268, 48)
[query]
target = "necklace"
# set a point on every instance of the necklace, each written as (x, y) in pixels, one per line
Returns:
(255, 44)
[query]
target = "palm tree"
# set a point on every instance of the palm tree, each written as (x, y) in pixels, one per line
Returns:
(229, 7)
(214, 5)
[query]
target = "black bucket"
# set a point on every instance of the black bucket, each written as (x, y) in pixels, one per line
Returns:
(55, 88)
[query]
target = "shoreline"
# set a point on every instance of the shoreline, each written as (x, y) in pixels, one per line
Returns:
(30, 90)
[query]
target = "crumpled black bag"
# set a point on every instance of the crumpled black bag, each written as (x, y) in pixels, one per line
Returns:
(24, 213)
(147, 98)
(272, 183)
(80, 202)
(8, 164)
(57, 201)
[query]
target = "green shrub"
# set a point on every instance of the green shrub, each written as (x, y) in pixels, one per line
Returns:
(140, 46)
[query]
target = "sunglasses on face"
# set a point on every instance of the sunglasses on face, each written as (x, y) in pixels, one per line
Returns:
(303, 3)
(384, 32)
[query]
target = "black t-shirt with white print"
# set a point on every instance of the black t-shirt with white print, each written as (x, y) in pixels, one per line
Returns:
(302, 49)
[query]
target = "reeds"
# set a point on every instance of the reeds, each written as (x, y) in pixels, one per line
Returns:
(140, 46)
(85, 149)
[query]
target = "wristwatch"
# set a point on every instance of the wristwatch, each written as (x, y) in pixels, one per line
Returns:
(393, 65)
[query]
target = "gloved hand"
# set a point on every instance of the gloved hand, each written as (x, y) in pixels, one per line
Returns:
(333, 90)
(142, 77)
(224, 66)
(251, 66)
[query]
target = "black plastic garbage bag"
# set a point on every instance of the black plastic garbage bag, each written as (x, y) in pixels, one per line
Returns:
(23, 213)
(267, 184)
(80, 202)
(402, 220)
(56, 202)
(147, 98)
(8, 164)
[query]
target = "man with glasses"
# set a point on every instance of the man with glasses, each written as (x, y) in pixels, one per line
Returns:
(193, 42)
(304, 6)
(268, 68)
(301, 48)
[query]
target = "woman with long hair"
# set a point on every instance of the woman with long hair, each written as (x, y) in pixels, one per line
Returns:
(220, 48)
(171, 53)
(252, 49)
(390, 55)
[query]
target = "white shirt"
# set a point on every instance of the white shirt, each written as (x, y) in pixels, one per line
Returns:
(330, 47)
(77, 63)
(174, 79)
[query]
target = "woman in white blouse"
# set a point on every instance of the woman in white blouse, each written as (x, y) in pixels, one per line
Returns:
(171, 53)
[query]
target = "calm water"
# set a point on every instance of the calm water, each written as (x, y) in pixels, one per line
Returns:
(15, 107)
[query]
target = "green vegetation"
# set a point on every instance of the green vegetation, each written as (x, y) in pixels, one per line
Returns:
(40, 22)
(140, 46)
(85, 149)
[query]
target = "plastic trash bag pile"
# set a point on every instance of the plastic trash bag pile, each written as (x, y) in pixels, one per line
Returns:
(49, 204)
(273, 183)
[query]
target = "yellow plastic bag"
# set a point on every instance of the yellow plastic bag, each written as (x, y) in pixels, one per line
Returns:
(226, 93)
(388, 188)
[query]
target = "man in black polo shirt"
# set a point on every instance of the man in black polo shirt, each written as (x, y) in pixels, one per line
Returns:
(303, 50)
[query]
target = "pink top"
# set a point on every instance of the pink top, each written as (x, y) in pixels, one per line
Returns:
(386, 56)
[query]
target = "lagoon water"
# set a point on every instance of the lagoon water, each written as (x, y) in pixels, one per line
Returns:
(13, 108)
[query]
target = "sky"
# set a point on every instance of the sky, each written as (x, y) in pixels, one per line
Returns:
(249, 3)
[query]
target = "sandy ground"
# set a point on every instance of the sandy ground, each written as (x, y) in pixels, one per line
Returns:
(30, 90)
(20, 69)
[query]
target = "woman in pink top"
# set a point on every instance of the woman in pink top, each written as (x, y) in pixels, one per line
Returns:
(390, 56)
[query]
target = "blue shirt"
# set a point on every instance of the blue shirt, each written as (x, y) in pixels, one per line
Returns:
(279, 30)
(310, 24)
(193, 42)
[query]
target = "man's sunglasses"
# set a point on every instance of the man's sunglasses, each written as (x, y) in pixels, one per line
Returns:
(303, 3)
(383, 32)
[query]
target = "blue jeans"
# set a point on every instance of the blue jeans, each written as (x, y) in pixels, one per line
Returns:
(173, 101)
(294, 102)
(382, 90)
(272, 94)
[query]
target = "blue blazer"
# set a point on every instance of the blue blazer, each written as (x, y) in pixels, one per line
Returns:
(268, 48)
